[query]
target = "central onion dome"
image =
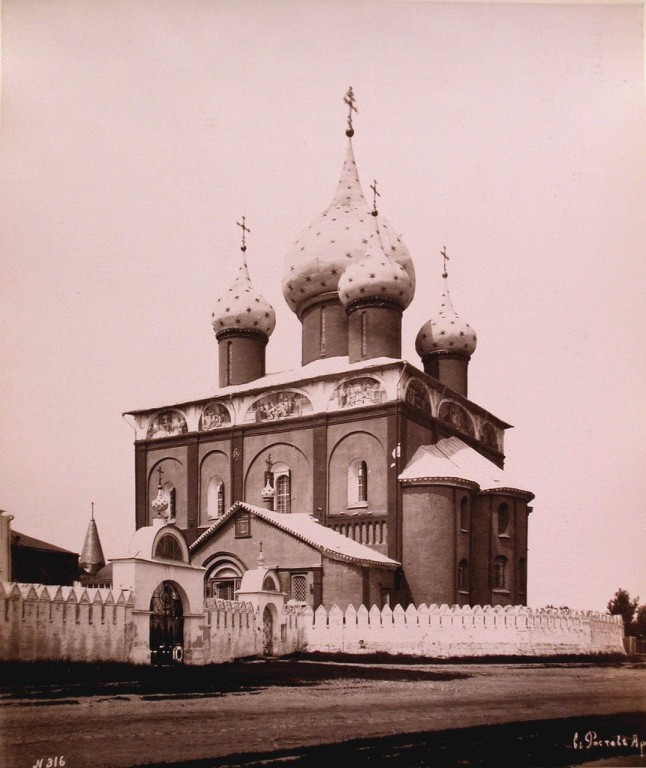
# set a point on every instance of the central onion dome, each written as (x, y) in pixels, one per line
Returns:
(376, 277)
(336, 239)
(446, 332)
(242, 308)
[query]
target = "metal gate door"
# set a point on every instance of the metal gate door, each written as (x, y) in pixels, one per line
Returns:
(267, 633)
(166, 625)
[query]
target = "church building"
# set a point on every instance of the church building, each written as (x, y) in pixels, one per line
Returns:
(358, 477)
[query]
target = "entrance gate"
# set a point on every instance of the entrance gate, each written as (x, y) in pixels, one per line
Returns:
(166, 625)
(267, 633)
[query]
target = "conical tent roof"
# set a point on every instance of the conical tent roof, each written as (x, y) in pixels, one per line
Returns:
(92, 558)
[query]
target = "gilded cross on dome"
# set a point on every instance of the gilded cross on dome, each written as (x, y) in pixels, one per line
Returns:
(161, 472)
(375, 195)
(446, 258)
(349, 100)
(245, 229)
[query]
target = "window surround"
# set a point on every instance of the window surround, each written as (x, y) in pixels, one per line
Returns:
(465, 514)
(499, 574)
(298, 587)
(243, 525)
(463, 577)
(358, 488)
(215, 497)
(503, 520)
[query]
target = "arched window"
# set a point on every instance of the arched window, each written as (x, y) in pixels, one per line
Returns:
(358, 483)
(223, 581)
(169, 493)
(269, 584)
(215, 497)
(499, 574)
(522, 576)
(283, 496)
(503, 519)
(463, 576)
(169, 548)
(464, 514)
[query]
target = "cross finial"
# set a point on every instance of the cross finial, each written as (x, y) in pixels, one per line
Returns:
(245, 229)
(349, 100)
(375, 195)
(161, 472)
(92, 512)
(446, 258)
(268, 462)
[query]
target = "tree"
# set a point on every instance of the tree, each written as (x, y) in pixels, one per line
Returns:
(622, 605)
(640, 622)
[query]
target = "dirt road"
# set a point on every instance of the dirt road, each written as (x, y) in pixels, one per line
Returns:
(283, 706)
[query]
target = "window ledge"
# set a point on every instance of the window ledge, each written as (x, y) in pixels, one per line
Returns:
(463, 592)
(464, 530)
(501, 591)
(358, 505)
(504, 536)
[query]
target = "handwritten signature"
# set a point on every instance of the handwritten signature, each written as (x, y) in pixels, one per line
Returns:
(592, 740)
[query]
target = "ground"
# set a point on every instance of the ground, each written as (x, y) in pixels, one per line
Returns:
(321, 713)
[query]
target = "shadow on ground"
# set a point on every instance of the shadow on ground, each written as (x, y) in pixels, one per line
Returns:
(54, 681)
(540, 743)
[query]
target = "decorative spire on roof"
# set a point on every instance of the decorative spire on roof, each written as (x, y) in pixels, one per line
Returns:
(92, 558)
(160, 503)
(245, 229)
(375, 195)
(261, 557)
(349, 100)
(446, 258)
(446, 331)
(241, 307)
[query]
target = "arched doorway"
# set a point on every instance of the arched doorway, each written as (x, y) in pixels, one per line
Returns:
(166, 625)
(267, 632)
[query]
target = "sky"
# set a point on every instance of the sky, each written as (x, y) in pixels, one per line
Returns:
(133, 136)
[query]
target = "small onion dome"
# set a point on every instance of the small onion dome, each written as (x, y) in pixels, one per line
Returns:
(241, 307)
(159, 505)
(335, 239)
(446, 332)
(268, 492)
(376, 277)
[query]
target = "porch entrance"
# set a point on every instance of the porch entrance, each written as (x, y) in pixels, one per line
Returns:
(267, 633)
(166, 625)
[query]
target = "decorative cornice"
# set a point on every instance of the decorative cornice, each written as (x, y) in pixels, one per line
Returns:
(373, 301)
(329, 297)
(228, 333)
(456, 482)
(508, 491)
(448, 354)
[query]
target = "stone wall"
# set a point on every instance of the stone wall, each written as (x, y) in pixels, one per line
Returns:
(45, 623)
(234, 630)
(442, 631)
(39, 622)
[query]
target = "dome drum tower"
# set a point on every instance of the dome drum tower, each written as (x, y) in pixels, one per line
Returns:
(446, 342)
(243, 322)
(375, 329)
(241, 355)
(325, 328)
